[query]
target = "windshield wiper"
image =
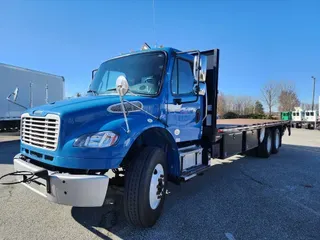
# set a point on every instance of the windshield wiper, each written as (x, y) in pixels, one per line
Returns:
(115, 89)
(92, 91)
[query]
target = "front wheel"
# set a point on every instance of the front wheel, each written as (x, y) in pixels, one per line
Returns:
(145, 187)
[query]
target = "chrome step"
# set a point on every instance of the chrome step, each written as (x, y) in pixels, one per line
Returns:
(194, 171)
(190, 156)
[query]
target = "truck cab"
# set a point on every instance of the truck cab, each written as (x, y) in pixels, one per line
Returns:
(286, 116)
(311, 119)
(298, 117)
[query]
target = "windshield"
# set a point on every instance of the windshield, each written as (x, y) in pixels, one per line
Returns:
(143, 72)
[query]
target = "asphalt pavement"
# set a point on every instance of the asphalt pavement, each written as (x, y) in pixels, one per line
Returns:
(239, 198)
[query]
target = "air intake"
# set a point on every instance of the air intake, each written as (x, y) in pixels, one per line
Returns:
(116, 108)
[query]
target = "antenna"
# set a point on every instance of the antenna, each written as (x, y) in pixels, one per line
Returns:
(154, 23)
(313, 91)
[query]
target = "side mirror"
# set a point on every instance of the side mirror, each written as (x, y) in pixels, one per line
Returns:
(15, 94)
(122, 85)
(203, 68)
(196, 66)
(200, 68)
(13, 98)
(93, 73)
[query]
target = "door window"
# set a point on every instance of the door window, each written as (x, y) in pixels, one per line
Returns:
(182, 80)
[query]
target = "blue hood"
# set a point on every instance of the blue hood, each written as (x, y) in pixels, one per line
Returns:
(79, 104)
(89, 114)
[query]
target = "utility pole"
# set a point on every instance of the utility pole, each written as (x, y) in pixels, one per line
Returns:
(314, 86)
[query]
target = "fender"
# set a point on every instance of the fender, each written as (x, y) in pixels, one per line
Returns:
(154, 133)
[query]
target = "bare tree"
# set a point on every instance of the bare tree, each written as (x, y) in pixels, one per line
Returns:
(270, 93)
(221, 106)
(288, 98)
(307, 106)
(238, 105)
(230, 103)
(247, 105)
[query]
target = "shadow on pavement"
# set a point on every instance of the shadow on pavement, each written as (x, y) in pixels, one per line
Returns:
(302, 148)
(225, 193)
(8, 150)
(91, 218)
(109, 218)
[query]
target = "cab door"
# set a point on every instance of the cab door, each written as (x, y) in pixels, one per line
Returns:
(184, 114)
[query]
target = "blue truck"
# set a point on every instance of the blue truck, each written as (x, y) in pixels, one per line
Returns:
(149, 117)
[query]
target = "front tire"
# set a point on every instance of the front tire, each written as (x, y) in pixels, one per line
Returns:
(145, 187)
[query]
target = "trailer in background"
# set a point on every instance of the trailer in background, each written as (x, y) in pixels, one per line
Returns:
(286, 116)
(25, 88)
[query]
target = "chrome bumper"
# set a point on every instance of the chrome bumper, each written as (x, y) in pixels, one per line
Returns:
(64, 188)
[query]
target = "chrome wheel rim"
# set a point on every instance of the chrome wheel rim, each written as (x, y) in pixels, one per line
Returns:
(156, 186)
(262, 133)
(277, 139)
(269, 142)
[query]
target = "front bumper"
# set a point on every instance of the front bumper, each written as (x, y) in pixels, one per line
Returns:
(64, 188)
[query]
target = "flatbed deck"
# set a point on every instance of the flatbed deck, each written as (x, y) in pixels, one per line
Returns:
(243, 122)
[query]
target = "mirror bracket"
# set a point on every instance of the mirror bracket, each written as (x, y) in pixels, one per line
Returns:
(122, 87)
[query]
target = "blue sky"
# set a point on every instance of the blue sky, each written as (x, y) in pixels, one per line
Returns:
(259, 40)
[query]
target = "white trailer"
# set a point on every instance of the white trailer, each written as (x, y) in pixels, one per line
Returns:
(311, 119)
(25, 88)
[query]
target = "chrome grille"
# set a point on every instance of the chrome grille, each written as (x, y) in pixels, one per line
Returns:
(41, 132)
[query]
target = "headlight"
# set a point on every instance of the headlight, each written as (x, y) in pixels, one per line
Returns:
(96, 140)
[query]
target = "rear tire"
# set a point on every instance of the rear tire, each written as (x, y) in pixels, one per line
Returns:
(145, 187)
(265, 147)
(276, 141)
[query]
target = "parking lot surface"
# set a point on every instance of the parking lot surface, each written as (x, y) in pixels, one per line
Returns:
(239, 198)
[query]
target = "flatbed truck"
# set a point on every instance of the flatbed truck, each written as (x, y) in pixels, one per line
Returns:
(149, 118)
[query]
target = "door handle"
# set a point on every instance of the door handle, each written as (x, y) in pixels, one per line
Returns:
(198, 114)
(177, 101)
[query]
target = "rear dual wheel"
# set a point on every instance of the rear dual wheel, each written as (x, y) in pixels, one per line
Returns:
(276, 140)
(265, 146)
(270, 144)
